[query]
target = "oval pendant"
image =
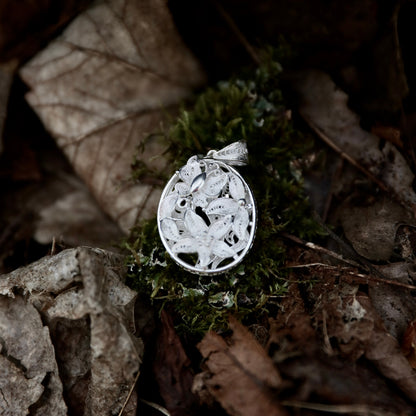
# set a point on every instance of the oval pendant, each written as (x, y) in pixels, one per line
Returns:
(207, 213)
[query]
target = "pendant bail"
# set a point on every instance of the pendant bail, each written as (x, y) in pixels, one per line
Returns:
(235, 154)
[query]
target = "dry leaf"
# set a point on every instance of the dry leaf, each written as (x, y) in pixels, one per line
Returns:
(29, 373)
(346, 320)
(103, 86)
(352, 321)
(240, 374)
(89, 312)
(409, 343)
(291, 331)
(73, 217)
(384, 352)
(395, 305)
(406, 242)
(311, 369)
(389, 133)
(51, 203)
(371, 228)
(325, 105)
(172, 369)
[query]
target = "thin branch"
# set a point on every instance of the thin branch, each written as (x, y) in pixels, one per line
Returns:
(350, 250)
(363, 277)
(53, 247)
(130, 393)
(231, 23)
(320, 249)
(357, 409)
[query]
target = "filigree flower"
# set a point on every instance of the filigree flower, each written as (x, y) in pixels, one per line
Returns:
(201, 185)
(208, 241)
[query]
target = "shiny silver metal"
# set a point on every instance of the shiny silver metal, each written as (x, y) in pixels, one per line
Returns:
(207, 213)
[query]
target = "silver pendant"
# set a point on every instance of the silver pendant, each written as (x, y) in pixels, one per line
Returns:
(207, 214)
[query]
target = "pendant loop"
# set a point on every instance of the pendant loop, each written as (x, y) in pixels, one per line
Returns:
(235, 154)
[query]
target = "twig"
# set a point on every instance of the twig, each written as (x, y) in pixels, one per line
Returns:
(350, 250)
(319, 249)
(344, 155)
(130, 393)
(156, 406)
(358, 409)
(361, 276)
(53, 248)
(230, 21)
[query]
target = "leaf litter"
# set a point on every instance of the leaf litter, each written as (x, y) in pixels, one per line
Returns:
(324, 106)
(324, 324)
(239, 373)
(88, 312)
(29, 376)
(322, 329)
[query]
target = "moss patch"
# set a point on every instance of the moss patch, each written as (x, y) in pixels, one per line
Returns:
(250, 108)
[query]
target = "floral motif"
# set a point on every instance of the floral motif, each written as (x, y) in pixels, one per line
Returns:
(207, 209)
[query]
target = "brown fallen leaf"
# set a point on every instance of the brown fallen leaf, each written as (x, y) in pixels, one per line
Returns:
(103, 86)
(29, 373)
(314, 374)
(18, 392)
(384, 352)
(172, 369)
(292, 329)
(73, 218)
(371, 227)
(395, 305)
(351, 322)
(406, 242)
(240, 375)
(390, 133)
(409, 343)
(325, 107)
(81, 298)
(43, 199)
(343, 319)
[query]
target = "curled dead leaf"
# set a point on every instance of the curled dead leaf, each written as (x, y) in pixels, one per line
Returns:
(29, 372)
(81, 298)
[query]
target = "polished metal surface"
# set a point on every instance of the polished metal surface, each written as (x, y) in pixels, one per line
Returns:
(207, 213)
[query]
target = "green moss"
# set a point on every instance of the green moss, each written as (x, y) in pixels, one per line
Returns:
(251, 108)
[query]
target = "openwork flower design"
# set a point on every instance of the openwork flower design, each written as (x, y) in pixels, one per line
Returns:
(207, 209)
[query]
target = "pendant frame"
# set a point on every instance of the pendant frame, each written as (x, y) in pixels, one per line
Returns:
(207, 216)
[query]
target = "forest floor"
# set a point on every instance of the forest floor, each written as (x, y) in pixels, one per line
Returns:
(89, 94)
